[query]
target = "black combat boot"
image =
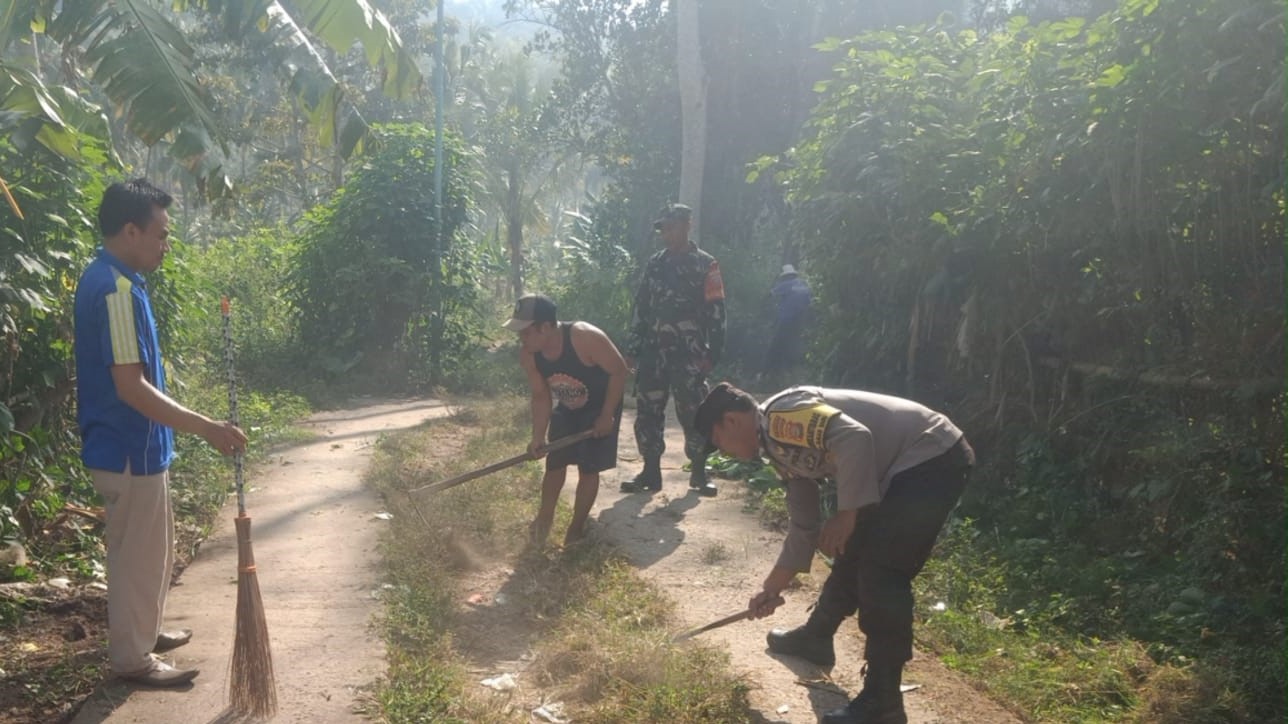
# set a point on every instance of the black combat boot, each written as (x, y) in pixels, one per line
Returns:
(698, 478)
(804, 642)
(880, 702)
(648, 481)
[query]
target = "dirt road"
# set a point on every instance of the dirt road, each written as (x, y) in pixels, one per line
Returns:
(710, 555)
(316, 534)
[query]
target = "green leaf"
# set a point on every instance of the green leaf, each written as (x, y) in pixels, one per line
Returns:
(31, 266)
(142, 62)
(1016, 24)
(342, 23)
(15, 18)
(828, 44)
(1112, 76)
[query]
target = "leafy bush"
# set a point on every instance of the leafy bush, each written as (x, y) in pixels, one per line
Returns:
(41, 254)
(1035, 231)
(370, 290)
(593, 278)
(250, 271)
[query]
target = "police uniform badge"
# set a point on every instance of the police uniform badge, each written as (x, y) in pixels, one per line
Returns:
(802, 426)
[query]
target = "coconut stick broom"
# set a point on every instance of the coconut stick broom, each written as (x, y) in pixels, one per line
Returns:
(251, 688)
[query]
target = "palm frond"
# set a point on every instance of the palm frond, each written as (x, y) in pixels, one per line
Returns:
(340, 24)
(143, 63)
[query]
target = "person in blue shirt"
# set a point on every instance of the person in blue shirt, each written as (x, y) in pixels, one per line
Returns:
(127, 424)
(792, 299)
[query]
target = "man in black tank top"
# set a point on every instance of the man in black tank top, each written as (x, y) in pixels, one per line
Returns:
(577, 378)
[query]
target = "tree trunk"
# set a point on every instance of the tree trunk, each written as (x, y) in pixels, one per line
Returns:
(514, 228)
(297, 157)
(693, 108)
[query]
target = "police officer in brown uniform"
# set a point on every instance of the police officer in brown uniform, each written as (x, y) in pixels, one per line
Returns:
(899, 469)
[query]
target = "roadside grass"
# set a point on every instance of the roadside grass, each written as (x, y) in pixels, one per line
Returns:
(1035, 657)
(576, 626)
(716, 553)
(1029, 658)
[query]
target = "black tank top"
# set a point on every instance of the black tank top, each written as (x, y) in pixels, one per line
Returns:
(576, 387)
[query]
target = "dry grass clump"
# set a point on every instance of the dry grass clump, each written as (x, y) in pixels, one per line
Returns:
(1180, 695)
(591, 633)
(715, 553)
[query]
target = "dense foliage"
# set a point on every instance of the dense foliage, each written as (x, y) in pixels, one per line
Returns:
(41, 253)
(373, 288)
(1071, 235)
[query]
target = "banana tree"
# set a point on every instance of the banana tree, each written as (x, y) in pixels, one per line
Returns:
(136, 53)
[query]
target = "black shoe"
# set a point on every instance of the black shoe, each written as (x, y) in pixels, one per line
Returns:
(802, 643)
(880, 702)
(648, 481)
(698, 479)
(868, 711)
(640, 486)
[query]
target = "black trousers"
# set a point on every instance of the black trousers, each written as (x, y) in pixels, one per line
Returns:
(890, 545)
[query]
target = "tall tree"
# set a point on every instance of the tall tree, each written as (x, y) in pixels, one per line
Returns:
(616, 102)
(692, 76)
(509, 121)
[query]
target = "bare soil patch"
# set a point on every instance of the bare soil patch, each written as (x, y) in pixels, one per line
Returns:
(710, 555)
(54, 657)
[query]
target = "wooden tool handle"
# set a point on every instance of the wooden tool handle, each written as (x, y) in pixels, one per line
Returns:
(717, 624)
(559, 444)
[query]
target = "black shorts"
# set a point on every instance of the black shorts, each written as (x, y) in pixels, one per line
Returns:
(590, 456)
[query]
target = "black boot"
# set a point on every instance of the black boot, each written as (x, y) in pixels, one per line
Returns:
(803, 642)
(880, 702)
(648, 481)
(698, 478)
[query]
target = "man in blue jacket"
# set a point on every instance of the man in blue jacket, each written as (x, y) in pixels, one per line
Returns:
(127, 424)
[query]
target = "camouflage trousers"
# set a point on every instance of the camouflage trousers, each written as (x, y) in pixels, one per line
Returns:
(655, 381)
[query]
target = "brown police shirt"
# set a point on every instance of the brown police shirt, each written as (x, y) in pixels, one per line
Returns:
(859, 439)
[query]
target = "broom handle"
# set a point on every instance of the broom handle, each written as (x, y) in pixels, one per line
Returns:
(226, 310)
(559, 444)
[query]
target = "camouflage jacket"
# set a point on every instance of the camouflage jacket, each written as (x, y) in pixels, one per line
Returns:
(679, 307)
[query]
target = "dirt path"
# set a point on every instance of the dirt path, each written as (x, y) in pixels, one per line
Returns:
(710, 555)
(315, 536)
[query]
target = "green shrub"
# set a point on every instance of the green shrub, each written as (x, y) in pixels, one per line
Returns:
(377, 302)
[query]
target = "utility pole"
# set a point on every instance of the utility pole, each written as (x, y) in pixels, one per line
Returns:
(436, 256)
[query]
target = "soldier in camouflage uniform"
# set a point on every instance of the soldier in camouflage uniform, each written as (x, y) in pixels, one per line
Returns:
(677, 334)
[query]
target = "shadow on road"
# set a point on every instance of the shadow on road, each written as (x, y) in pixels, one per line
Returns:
(648, 538)
(824, 694)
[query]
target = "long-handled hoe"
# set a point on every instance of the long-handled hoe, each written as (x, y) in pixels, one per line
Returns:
(554, 445)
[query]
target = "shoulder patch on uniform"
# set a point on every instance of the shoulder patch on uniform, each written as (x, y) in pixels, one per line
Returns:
(713, 284)
(803, 426)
